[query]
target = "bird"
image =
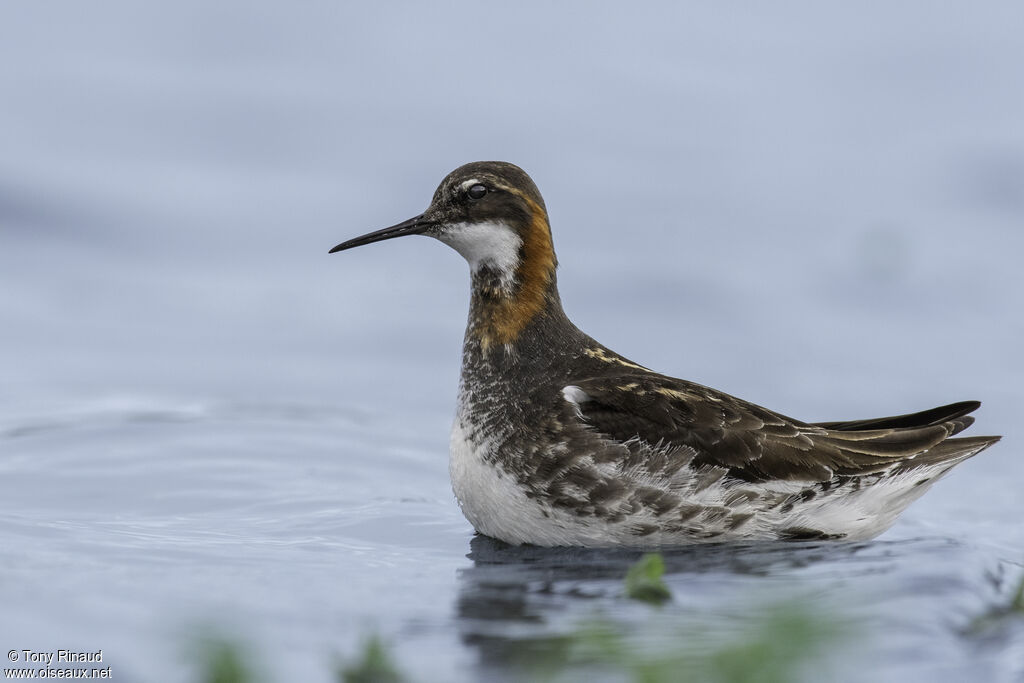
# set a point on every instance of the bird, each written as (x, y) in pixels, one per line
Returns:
(560, 441)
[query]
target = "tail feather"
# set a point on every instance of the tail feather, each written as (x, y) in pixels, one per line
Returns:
(954, 412)
(916, 440)
(950, 452)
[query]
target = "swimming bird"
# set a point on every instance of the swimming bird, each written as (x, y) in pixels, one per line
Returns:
(560, 441)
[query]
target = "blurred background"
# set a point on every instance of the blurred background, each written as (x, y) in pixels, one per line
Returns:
(818, 208)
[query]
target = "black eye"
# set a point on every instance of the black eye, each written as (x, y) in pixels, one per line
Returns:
(477, 191)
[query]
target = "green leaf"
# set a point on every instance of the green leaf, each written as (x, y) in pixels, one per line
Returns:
(643, 580)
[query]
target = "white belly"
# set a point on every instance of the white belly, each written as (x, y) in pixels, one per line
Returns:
(497, 505)
(490, 498)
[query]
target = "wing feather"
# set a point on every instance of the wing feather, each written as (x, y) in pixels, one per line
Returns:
(749, 441)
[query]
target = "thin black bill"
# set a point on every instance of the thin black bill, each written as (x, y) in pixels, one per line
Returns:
(413, 226)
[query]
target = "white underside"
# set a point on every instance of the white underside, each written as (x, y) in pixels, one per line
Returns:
(490, 499)
(496, 505)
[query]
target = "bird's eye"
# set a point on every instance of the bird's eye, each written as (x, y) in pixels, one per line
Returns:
(477, 191)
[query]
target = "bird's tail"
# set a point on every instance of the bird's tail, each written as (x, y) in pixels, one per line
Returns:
(949, 453)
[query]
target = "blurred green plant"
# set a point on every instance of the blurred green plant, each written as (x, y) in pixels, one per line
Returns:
(773, 642)
(777, 644)
(643, 580)
(784, 639)
(223, 661)
(374, 665)
(770, 643)
(997, 616)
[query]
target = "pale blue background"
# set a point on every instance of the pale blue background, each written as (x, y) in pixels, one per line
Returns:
(204, 417)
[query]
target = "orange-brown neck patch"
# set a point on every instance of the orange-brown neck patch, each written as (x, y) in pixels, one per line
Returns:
(502, 316)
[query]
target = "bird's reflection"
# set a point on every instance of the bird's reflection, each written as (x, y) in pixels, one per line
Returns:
(515, 603)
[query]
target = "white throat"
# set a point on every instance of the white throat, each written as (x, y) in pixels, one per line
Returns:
(490, 244)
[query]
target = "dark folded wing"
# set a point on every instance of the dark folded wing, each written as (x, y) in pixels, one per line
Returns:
(751, 442)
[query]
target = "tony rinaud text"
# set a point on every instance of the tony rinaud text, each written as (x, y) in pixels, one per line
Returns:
(62, 656)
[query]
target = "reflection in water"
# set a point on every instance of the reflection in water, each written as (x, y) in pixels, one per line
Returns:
(518, 607)
(499, 564)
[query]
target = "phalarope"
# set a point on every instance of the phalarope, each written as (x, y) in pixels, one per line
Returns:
(559, 440)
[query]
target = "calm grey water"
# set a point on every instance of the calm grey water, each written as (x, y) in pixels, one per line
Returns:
(207, 425)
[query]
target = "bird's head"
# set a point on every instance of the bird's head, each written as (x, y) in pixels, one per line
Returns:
(492, 213)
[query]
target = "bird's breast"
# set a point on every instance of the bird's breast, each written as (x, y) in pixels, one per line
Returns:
(491, 498)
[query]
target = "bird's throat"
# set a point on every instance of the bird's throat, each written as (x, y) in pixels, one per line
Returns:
(502, 307)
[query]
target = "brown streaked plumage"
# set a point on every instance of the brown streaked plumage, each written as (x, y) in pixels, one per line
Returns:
(560, 441)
